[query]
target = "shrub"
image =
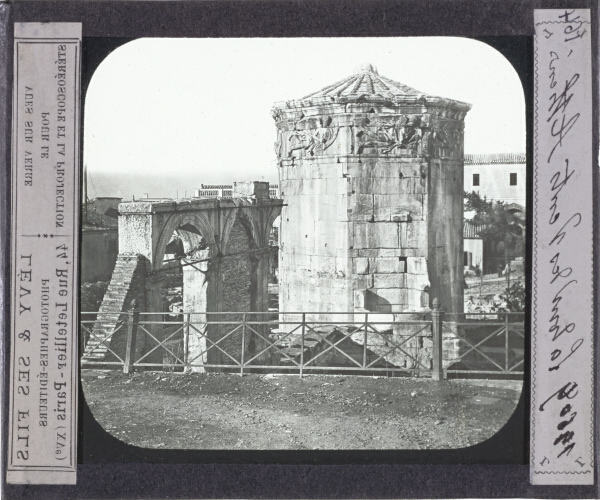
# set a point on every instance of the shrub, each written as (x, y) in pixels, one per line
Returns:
(515, 297)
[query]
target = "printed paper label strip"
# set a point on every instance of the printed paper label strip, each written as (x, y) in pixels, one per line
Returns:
(562, 401)
(45, 219)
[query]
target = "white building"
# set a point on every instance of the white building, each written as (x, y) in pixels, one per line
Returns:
(498, 177)
(473, 246)
(226, 191)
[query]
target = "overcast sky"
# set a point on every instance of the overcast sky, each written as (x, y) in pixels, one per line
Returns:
(199, 110)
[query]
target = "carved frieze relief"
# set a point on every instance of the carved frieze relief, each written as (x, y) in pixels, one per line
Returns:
(446, 139)
(276, 114)
(311, 137)
(417, 134)
(439, 134)
(388, 135)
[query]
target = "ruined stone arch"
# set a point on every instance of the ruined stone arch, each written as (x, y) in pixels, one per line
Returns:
(261, 224)
(185, 224)
(226, 222)
(239, 218)
(204, 228)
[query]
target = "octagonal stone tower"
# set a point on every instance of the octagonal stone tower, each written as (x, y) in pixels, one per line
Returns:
(371, 174)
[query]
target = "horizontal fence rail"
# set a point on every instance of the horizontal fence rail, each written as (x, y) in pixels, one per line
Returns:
(422, 344)
(481, 288)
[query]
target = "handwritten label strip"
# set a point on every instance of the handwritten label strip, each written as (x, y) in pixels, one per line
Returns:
(562, 401)
(45, 207)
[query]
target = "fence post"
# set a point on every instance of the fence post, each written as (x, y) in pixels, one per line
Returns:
(132, 323)
(506, 342)
(82, 342)
(186, 343)
(302, 345)
(243, 344)
(365, 338)
(437, 322)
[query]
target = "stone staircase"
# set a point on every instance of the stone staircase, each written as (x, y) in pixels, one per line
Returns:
(111, 317)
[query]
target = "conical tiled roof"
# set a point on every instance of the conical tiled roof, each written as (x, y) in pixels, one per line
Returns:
(366, 85)
(365, 82)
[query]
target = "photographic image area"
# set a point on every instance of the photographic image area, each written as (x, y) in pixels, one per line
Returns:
(311, 243)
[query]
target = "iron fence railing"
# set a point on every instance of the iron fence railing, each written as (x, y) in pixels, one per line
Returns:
(489, 343)
(96, 336)
(429, 344)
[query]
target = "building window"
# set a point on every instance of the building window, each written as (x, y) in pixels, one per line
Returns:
(402, 264)
(513, 179)
(475, 179)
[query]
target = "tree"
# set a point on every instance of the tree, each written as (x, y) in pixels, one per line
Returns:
(497, 222)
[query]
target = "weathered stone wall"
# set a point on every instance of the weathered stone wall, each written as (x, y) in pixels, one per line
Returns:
(354, 232)
(136, 229)
(236, 271)
(388, 207)
(315, 238)
(235, 280)
(445, 233)
(157, 285)
(238, 290)
(251, 189)
(196, 286)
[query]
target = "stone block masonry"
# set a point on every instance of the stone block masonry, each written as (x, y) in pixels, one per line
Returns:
(371, 172)
(238, 294)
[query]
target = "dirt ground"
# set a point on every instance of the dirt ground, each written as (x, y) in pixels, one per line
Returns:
(226, 411)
